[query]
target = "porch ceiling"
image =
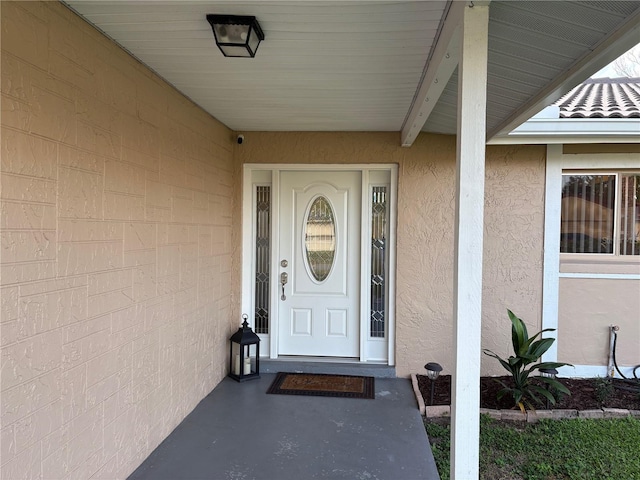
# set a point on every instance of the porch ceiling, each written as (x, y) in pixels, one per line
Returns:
(360, 65)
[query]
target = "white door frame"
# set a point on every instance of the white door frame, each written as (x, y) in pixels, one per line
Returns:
(257, 174)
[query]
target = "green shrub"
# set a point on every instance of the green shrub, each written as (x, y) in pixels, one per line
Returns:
(527, 351)
(604, 389)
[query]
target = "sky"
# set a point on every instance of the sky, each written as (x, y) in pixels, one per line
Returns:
(608, 71)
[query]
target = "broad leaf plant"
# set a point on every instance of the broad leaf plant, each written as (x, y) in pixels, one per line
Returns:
(527, 351)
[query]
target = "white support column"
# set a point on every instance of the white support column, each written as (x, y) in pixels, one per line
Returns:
(551, 265)
(472, 99)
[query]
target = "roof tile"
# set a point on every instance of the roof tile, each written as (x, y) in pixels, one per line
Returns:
(602, 98)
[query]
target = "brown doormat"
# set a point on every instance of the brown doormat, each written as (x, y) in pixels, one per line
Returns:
(323, 385)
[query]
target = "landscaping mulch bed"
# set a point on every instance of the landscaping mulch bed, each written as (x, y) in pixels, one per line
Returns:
(586, 394)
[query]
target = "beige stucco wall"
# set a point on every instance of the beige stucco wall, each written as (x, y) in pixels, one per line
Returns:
(597, 303)
(590, 148)
(115, 251)
(587, 307)
(426, 204)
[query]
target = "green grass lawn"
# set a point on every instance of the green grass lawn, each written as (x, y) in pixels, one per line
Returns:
(603, 449)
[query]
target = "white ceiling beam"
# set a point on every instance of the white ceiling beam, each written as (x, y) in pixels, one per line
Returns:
(572, 130)
(605, 52)
(439, 68)
(562, 140)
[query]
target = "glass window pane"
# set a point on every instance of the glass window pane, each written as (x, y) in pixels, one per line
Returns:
(378, 261)
(320, 238)
(630, 215)
(587, 213)
(263, 240)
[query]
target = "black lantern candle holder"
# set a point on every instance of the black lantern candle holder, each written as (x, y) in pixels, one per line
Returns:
(242, 366)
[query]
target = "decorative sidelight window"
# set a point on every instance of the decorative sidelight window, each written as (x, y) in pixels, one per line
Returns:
(378, 261)
(600, 213)
(263, 237)
(320, 238)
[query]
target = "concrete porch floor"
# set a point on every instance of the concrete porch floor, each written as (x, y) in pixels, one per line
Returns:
(240, 432)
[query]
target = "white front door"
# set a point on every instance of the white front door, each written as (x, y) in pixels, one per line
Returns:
(319, 235)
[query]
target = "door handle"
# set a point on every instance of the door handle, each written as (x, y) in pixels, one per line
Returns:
(284, 278)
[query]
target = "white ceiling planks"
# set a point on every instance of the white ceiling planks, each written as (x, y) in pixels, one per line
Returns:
(358, 65)
(533, 45)
(322, 66)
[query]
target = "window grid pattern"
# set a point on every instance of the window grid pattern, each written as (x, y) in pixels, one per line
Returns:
(263, 246)
(378, 261)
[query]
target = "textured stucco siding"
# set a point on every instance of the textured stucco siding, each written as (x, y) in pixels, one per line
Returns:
(587, 307)
(116, 200)
(514, 210)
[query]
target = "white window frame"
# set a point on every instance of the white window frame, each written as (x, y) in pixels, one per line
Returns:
(557, 163)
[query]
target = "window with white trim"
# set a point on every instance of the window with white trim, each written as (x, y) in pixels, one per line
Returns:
(600, 213)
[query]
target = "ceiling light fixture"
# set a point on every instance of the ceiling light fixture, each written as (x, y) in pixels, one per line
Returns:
(236, 35)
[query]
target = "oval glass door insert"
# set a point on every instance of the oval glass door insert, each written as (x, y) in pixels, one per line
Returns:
(320, 238)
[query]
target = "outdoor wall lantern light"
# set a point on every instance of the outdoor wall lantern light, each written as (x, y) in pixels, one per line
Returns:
(433, 371)
(548, 373)
(236, 35)
(241, 362)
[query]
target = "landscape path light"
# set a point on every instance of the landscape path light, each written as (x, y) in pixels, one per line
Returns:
(433, 371)
(548, 373)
